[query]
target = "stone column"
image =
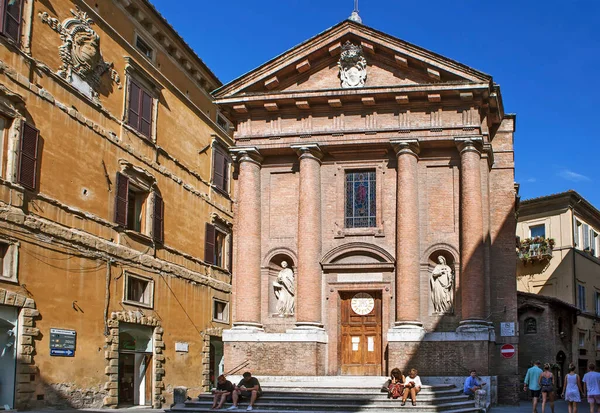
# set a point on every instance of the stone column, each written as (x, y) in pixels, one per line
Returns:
(472, 281)
(247, 277)
(309, 283)
(407, 235)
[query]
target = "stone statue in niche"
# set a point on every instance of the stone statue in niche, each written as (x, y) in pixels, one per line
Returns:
(442, 287)
(285, 291)
(82, 62)
(353, 66)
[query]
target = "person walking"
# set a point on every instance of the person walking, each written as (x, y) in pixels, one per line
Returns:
(591, 387)
(572, 389)
(532, 383)
(547, 387)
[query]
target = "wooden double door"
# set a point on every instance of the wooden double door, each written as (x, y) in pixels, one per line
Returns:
(360, 344)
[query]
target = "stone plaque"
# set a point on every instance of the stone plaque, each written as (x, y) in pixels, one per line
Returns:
(507, 329)
(182, 347)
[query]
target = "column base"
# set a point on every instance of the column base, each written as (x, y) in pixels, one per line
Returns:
(407, 331)
(474, 326)
(247, 326)
(307, 325)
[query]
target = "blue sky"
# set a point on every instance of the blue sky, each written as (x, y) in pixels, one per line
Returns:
(544, 54)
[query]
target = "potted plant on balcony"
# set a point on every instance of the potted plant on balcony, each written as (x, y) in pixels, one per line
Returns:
(535, 249)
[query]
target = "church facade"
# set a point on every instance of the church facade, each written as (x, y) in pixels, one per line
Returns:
(374, 213)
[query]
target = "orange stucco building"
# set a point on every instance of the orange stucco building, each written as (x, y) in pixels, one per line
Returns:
(115, 208)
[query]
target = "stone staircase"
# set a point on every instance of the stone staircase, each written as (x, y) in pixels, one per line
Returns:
(338, 394)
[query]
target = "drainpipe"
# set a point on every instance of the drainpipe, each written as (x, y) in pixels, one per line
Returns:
(107, 295)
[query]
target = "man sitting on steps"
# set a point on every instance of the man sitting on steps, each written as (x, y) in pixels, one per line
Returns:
(247, 388)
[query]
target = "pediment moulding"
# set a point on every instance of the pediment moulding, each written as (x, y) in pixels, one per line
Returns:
(366, 46)
(161, 31)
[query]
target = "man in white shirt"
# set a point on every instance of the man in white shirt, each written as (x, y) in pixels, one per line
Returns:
(591, 387)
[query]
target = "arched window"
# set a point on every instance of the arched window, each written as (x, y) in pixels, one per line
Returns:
(530, 325)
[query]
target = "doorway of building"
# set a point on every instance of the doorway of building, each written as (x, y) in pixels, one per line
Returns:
(217, 361)
(135, 364)
(8, 354)
(360, 333)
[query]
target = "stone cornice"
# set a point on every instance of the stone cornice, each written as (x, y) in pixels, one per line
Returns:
(450, 88)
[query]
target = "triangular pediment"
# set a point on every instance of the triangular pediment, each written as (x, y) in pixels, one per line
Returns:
(313, 65)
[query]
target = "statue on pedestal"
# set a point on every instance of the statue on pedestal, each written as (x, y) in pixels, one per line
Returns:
(442, 287)
(285, 291)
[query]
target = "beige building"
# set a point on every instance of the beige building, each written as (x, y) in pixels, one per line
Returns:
(568, 270)
(382, 174)
(115, 208)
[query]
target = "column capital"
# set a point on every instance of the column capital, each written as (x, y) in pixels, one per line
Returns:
(246, 154)
(308, 150)
(469, 144)
(406, 146)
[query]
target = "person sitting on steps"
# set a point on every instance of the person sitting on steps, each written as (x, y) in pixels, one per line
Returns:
(472, 384)
(412, 386)
(247, 388)
(222, 392)
(395, 385)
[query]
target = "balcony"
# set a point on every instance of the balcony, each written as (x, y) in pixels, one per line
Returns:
(533, 250)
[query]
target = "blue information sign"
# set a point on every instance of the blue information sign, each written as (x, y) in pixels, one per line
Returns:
(62, 342)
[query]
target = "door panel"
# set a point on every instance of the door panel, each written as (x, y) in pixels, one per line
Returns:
(360, 338)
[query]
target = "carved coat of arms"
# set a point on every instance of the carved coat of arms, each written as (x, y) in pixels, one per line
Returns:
(353, 66)
(80, 52)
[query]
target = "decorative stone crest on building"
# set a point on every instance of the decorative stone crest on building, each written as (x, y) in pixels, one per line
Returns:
(442, 287)
(353, 66)
(82, 62)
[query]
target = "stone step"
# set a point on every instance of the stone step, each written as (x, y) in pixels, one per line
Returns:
(334, 388)
(340, 408)
(333, 398)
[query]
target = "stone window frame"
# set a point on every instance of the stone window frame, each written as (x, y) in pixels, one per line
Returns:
(225, 311)
(225, 227)
(12, 109)
(27, 371)
(149, 280)
(10, 262)
(217, 147)
(143, 181)
(111, 355)
(581, 339)
(135, 73)
(341, 168)
(137, 36)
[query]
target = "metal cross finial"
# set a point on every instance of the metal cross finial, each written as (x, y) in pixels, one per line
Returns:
(354, 16)
(356, 6)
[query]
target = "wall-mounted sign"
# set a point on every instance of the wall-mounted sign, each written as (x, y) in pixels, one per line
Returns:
(507, 329)
(184, 347)
(62, 342)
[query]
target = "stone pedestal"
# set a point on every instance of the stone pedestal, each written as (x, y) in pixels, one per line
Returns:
(293, 353)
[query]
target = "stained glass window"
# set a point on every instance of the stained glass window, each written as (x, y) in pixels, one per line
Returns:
(360, 199)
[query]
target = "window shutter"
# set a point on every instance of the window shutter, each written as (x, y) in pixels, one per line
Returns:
(121, 200)
(133, 119)
(225, 172)
(12, 19)
(146, 114)
(158, 224)
(209, 244)
(2, 7)
(218, 162)
(230, 261)
(28, 156)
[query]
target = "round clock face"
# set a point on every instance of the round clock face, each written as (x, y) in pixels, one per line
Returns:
(362, 303)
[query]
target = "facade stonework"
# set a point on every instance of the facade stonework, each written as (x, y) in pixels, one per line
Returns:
(115, 207)
(360, 175)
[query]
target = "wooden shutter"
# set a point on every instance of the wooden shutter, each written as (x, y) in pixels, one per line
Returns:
(121, 200)
(11, 25)
(2, 14)
(146, 114)
(218, 163)
(28, 156)
(158, 219)
(133, 119)
(225, 172)
(230, 260)
(209, 244)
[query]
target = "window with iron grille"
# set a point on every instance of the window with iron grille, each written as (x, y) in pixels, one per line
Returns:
(361, 201)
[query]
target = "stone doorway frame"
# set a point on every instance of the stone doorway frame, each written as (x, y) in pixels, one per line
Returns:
(112, 356)
(26, 331)
(205, 353)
